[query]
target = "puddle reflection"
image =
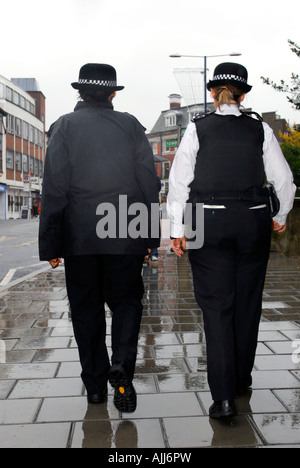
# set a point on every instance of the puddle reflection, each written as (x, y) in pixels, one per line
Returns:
(115, 433)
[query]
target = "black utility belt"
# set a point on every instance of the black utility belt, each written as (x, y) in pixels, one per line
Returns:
(255, 195)
(260, 195)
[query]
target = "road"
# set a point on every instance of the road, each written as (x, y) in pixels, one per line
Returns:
(18, 249)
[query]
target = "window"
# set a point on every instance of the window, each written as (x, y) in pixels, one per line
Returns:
(25, 163)
(16, 98)
(36, 167)
(31, 133)
(166, 170)
(9, 159)
(170, 120)
(41, 169)
(9, 94)
(17, 203)
(10, 200)
(10, 123)
(25, 130)
(155, 148)
(18, 127)
(41, 139)
(31, 164)
(19, 162)
(36, 136)
(22, 102)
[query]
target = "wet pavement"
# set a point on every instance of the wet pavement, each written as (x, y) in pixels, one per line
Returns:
(42, 399)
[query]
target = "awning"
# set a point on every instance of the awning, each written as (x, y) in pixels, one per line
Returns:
(158, 158)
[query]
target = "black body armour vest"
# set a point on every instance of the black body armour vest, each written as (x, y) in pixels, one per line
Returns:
(230, 154)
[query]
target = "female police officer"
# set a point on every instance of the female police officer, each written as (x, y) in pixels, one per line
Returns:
(222, 162)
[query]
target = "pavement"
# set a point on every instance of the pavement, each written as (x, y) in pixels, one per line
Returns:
(43, 402)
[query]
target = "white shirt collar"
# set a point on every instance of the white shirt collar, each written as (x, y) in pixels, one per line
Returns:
(227, 109)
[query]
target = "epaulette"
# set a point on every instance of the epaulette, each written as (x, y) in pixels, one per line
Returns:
(250, 113)
(201, 116)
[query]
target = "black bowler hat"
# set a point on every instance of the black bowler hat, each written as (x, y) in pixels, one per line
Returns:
(232, 73)
(97, 76)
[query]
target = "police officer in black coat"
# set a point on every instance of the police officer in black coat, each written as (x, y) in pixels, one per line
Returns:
(222, 164)
(100, 212)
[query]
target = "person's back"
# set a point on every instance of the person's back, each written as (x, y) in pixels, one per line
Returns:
(99, 174)
(102, 154)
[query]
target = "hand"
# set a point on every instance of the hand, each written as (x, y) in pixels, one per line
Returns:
(55, 262)
(276, 227)
(147, 256)
(179, 245)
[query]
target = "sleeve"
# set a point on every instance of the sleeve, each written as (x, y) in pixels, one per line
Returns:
(55, 188)
(181, 175)
(279, 174)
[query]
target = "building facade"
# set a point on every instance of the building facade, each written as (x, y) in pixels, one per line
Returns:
(167, 133)
(22, 147)
(277, 124)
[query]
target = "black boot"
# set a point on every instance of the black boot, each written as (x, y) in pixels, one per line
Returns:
(125, 394)
(97, 398)
(222, 409)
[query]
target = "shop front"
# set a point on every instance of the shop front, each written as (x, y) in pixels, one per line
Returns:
(2, 201)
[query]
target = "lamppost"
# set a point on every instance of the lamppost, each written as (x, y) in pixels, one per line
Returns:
(205, 57)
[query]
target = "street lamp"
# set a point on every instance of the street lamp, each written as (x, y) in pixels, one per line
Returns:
(205, 57)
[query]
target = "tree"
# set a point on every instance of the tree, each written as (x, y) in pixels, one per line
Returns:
(291, 150)
(293, 89)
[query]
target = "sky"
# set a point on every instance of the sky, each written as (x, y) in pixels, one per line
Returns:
(50, 41)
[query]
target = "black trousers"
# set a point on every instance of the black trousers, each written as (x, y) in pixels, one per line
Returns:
(92, 281)
(229, 273)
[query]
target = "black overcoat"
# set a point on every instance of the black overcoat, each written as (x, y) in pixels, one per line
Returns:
(94, 157)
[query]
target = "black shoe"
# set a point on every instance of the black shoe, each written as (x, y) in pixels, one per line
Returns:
(125, 394)
(97, 398)
(222, 409)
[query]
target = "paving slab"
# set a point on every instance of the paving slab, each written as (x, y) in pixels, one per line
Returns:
(43, 402)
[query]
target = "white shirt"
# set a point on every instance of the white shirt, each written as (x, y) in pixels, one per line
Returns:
(276, 168)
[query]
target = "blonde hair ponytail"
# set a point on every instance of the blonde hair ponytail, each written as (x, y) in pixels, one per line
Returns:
(225, 94)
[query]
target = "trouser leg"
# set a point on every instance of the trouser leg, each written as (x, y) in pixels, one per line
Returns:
(213, 273)
(124, 291)
(229, 273)
(84, 280)
(251, 265)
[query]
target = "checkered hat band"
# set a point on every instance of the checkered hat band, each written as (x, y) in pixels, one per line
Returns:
(227, 76)
(98, 82)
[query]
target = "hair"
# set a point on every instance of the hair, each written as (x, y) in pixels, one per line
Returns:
(95, 98)
(227, 93)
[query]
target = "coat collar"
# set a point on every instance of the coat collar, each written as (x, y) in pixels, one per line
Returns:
(84, 105)
(229, 109)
